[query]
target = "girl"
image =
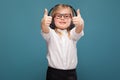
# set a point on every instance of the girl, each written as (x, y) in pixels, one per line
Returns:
(62, 27)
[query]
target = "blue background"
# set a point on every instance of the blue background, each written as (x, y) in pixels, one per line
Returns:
(23, 50)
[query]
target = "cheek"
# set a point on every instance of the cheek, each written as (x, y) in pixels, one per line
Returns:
(69, 22)
(56, 22)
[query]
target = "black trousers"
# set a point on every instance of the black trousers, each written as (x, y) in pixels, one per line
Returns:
(56, 74)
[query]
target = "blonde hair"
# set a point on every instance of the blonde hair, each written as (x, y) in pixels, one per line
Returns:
(59, 6)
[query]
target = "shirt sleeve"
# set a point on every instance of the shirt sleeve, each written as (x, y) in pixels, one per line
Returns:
(46, 36)
(76, 36)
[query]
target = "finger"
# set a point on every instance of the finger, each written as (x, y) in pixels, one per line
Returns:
(75, 19)
(49, 17)
(78, 12)
(45, 12)
(49, 20)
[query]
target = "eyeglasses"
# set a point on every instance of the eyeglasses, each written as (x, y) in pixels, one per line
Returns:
(59, 16)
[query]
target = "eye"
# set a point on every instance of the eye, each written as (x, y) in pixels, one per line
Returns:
(67, 15)
(58, 15)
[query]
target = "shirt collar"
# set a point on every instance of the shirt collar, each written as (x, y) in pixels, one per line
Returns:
(64, 31)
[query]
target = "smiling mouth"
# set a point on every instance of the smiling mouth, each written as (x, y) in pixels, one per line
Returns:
(62, 22)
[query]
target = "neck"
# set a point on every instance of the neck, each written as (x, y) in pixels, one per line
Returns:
(60, 32)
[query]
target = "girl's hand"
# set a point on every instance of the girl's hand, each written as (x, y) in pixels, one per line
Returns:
(78, 21)
(46, 21)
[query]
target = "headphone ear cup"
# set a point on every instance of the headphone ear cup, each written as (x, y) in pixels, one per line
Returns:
(52, 25)
(75, 14)
(71, 26)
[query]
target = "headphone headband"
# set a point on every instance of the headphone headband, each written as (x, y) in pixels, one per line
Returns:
(50, 11)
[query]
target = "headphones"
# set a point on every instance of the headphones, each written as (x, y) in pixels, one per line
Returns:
(52, 25)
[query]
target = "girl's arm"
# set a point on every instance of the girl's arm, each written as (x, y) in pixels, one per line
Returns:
(45, 22)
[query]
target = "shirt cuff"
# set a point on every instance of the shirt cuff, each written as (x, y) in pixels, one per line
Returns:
(46, 36)
(76, 36)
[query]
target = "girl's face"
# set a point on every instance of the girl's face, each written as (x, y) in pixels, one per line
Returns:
(63, 18)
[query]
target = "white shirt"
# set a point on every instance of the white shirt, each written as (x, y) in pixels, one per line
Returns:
(62, 51)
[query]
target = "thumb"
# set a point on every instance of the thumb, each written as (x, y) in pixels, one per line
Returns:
(45, 12)
(78, 12)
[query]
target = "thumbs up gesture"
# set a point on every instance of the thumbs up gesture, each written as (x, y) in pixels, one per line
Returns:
(78, 21)
(46, 21)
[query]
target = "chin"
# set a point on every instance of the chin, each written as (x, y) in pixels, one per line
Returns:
(63, 27)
